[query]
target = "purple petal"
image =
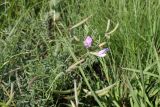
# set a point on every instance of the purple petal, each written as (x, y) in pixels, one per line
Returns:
(88, 42)
(102, 53)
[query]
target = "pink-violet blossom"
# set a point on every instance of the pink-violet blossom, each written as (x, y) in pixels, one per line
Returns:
(103, 52)
(88, 42)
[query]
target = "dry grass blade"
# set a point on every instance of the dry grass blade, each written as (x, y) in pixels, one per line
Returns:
(4, 90)
(69, 91)
(12, 71)
(76, 38)
(102, 44)
(73, 66)
(113, 29)
(73, 105)
(107, 34)
(80, 23)
(56, 16)
(101, 92)
(108, 25)
(75, 93)
(10, 96)
(18, 83)
(72, 97)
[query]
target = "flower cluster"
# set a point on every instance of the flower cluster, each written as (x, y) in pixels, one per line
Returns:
(88, 43)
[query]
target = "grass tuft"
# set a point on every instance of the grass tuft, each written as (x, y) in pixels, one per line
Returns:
(45, 63)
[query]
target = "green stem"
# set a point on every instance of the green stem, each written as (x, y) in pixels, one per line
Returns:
(85, 79)
(80, 69)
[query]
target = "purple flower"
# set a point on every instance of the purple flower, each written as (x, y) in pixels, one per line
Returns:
(102, 53)
(88, 42)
